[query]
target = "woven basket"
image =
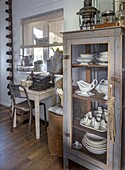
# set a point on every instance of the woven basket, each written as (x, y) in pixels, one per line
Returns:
(55, 124)
(55, 144)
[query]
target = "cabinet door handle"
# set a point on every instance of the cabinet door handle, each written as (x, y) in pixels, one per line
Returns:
(66, 57)
(67, 134)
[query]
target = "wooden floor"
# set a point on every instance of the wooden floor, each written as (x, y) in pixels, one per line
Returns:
(16, 153)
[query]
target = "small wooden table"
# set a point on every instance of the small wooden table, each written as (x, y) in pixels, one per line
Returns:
(37, 96)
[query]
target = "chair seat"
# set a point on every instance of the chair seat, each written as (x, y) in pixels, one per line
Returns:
(24, 106)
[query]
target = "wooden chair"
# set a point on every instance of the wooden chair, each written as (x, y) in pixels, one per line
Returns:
(26, 105)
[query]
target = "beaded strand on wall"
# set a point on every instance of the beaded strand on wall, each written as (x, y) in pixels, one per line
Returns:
(9, 44)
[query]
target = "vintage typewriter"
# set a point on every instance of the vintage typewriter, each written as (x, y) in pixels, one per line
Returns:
(42, 82)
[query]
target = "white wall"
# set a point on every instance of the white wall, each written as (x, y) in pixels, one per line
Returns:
(21, 9)
(3, 73)
(71, 7)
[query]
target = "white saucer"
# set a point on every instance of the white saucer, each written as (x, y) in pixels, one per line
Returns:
(103, 64)
(84, 63)
(86, 94)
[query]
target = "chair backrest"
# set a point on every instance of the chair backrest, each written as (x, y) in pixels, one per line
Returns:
(15, 91)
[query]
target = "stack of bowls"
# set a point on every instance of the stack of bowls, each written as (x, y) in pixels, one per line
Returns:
(94, 144)
(85, 58)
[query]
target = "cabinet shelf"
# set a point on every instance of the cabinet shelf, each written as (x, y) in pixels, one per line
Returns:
(89, 65)
(41, 45)
(96, 98)
(24, 68)
(90, 157)
(77, 125)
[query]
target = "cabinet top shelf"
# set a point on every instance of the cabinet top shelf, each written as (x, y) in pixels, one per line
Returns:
(96, 29)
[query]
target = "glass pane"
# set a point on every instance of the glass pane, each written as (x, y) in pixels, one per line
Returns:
(35, 33)
(88, 102)
(54, 32)
(53, 49)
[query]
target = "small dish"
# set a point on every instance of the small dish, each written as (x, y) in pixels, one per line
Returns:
(77, 145)
(85, 94)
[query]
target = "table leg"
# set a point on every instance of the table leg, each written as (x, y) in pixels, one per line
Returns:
(37, 119)
(14, 122)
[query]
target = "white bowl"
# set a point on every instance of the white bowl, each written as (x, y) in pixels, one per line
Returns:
(83, 61)
(104, 53)
(23, 83)
(103, 59)
(29, 83)
(104, 56)
(86, 55)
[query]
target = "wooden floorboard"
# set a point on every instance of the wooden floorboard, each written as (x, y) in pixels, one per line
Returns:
(17, 153)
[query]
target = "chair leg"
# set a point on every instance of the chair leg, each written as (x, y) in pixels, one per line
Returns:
(30, 122)
(13, 114)
(44, 113)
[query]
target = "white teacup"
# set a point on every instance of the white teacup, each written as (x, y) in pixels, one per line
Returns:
(23, 83)
(99, 108)
(76, 143)
(87, 121)
(93, 121)
(89, 114)
(105, 112)
(88, 118)
(106, 118)
(97, 123)
(104, 124)
(29, 83)
(99, 115)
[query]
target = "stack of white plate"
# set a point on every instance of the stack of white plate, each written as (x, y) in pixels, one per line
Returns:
(104, 57)
(85, 58)
(94, 144)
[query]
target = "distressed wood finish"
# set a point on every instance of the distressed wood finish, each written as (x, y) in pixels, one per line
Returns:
(17, 153)
(114, 38)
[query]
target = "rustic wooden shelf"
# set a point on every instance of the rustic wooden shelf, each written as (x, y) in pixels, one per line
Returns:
(97, 97)
(76, 125)
(89, 65)
(42, 45)
(85, 154)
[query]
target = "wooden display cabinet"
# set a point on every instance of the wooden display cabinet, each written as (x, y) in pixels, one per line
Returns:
(77, 106)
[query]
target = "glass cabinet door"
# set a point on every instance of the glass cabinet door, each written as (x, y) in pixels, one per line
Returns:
(89, 98)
